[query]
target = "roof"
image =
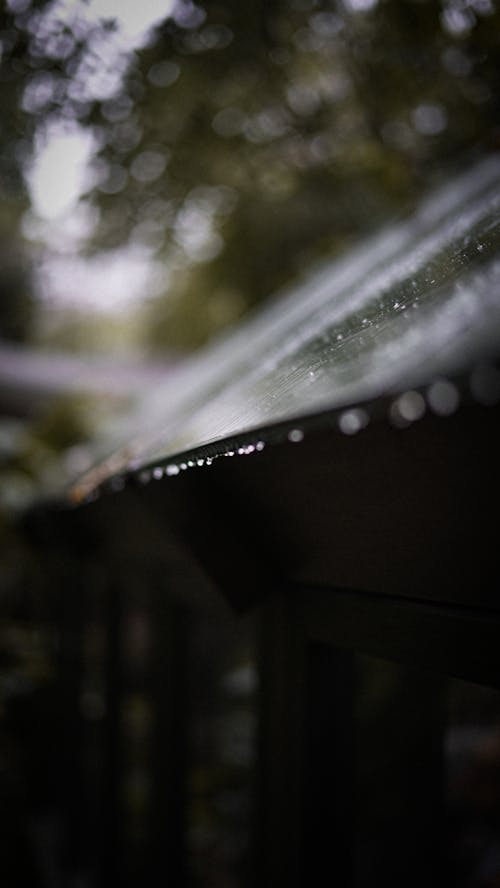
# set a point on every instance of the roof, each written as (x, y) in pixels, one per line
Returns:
(396, 324)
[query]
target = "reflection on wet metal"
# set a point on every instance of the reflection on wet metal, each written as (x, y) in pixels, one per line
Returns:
(172, 470)
(409, 308)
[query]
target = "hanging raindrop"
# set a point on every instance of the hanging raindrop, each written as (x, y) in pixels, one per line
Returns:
(443, 397)
(352, 421)
(172, 469)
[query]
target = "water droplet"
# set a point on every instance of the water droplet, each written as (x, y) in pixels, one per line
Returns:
(443, 397)
(339, 337)
(209, 461)
(485, 385)
(411, 406)
(311, 374)
(200, 462)
(296, 436)
(172, 469)
(157, 473)
(260, 445)
(396, 305)
(480, 248)
(183, 466)
(352, 421)
(407, 409)
(246, 450)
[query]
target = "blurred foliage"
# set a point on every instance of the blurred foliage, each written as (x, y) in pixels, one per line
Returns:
(250, 138)
(236, 145)
(244, 140)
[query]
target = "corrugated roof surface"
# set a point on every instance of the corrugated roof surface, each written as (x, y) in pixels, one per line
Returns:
(417, 303)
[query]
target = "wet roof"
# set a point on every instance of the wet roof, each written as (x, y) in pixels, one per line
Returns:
(404, 313)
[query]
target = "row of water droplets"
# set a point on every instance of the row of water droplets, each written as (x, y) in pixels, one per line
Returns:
(175, 468)
(442, 397)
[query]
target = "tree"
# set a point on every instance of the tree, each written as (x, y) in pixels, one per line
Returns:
(243, 140)
(249, 138)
